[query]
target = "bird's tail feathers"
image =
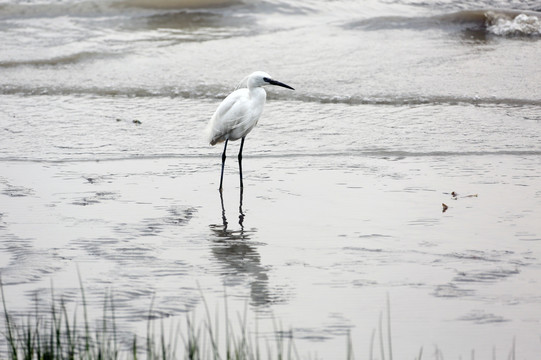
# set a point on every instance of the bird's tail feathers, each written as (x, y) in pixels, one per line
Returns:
(214, 135)
(209, 134)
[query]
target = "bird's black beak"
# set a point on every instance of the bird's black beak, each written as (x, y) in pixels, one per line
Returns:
(278, 83)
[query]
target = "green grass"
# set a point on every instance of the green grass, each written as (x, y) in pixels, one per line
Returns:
(54, 335)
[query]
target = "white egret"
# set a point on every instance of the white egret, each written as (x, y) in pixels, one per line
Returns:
(238, 113)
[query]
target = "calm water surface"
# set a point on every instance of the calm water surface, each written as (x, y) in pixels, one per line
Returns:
(104, 167)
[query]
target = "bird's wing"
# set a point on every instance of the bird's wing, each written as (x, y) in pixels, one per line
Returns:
(233, 103)
(231, 117)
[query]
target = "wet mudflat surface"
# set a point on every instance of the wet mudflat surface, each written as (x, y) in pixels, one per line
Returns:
(317, 242)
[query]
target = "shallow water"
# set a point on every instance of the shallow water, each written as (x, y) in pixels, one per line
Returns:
(397, 105)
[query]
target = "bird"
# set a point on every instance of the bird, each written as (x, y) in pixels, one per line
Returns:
(238, 114)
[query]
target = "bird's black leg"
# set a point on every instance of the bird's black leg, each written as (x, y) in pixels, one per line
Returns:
(241, 214)
(240, 163)
(224, 219)
(223, 163)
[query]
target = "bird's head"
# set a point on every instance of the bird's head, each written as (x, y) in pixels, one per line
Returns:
(260, 78)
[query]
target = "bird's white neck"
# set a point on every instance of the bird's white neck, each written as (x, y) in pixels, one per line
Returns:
(257, 93)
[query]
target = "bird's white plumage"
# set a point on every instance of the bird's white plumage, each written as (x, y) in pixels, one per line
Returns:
(238, 113)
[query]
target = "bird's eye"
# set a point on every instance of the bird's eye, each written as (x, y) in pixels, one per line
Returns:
(266, 79)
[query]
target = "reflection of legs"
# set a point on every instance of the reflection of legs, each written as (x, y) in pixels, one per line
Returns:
(241, 214)
(224, 219)
(223, 163)
(240, 163)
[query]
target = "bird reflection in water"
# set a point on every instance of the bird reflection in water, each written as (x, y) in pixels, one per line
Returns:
(241, 214)
(238, 257)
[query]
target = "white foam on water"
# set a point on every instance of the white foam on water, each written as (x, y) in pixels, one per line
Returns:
(174, 4)
(521, 24)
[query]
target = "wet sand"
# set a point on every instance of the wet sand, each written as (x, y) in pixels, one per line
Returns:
(317, 242)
